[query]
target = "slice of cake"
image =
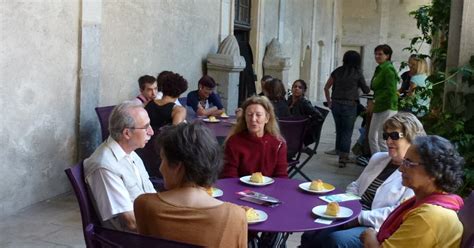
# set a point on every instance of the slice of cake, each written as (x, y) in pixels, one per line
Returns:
(256, 177)
(317, 185)
(332, 209)
(224, 115)
(212, 118)
(251, 214)
(210, 191)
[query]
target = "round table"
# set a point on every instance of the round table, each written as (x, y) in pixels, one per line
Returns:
(293, 214)
(221, 129)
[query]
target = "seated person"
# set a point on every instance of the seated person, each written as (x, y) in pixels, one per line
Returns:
(159, 81)
(274, 90)
(163, 112)
(148, 89)
(204, 101)
(432, 168)
(301, 107)
(255, 143)
(418, 82)
(191, 161)
(406, 76)
(114, 173)
(265, 79)
(379, 186)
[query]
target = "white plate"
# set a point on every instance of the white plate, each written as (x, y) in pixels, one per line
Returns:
(207, 120)
(343, 212)
(266, 181)
(305, 186)
(217, 192)
(224, 117)
(262, 217)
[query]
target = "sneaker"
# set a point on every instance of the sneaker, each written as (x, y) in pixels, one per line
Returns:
(331, 152)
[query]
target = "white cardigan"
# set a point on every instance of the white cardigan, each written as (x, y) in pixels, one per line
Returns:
(387, 197)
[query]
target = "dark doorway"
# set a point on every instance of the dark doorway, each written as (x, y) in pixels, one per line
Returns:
(242, 33)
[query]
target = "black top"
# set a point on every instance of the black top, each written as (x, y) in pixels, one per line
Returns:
(304, 108)
(405, 82)
(281, 108)
(368, 197)
(159, 115)
(347, 83)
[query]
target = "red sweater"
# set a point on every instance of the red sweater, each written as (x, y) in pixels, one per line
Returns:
(246, 153)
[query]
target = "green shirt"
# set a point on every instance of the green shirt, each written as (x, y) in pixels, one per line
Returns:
(384, 85)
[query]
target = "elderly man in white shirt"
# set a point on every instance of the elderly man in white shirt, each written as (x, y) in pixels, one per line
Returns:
(114, 173)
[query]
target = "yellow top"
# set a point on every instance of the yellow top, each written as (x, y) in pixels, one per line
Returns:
(427, 226)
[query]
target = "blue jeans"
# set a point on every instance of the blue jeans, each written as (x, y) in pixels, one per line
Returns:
(344, 118)
(333, 238)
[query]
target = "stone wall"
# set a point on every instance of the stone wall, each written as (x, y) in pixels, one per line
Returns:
(38, 79)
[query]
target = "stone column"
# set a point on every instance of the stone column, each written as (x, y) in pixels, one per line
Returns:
(225, 67)
(274, 63)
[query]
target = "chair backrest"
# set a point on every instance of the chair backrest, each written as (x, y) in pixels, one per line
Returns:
(89, 217)
(293, 131)
(118, 239)
(318, 129)
(466, 215)
(103, 113)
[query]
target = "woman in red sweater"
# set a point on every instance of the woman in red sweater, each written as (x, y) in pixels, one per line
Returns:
(255, 143)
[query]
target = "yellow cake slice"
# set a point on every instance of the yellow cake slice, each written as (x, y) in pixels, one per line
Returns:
(212, 118)
(224, 115)
(210, 190)
(251, 214)
(256, 177)
(317, 185)
(332, 209)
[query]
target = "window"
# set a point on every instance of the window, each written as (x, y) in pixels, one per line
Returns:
(242, 14)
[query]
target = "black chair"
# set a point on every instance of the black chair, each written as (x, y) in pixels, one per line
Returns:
(103, 113)
(294, 130)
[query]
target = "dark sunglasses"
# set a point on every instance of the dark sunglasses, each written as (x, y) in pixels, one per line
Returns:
(392, 135)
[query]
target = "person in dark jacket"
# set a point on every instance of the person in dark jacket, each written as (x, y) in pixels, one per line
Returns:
(274, 90)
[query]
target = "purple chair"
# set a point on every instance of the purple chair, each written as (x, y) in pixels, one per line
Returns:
(294, 132)
(96, 236)
(466, 215)
(103, 113)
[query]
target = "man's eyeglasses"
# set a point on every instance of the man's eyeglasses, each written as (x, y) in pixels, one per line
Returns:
(392, 135)
(145, 127)
(409, 164)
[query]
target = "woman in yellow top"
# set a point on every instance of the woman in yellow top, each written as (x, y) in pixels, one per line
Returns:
(433, 169)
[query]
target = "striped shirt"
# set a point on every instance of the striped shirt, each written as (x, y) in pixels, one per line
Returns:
(368, 197)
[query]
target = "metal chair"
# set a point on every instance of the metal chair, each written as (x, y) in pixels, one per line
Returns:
(294, 132)
(97, 236)
(103, 113)
(466, 215)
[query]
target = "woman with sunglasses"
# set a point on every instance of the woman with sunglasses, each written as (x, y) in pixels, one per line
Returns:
(432, 168)
(301, 107)
(379, 186)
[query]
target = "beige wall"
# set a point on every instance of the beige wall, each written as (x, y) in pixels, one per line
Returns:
(38, 75)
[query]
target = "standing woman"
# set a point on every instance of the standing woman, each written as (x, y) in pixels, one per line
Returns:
(384, 85)
(300, 106)
(345, 82)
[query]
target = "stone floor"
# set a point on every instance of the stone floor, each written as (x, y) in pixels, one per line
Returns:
(57, 223)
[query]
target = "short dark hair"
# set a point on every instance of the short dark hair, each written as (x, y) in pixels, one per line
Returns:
(441, 161)
(174, 85)
(266, 78)
(386, 49)
(274, 90)
(196, 148)
(159, 79)
(207, 81)
(145, 79)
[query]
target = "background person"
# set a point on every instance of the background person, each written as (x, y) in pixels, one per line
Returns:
(384, 84)
(114, 173)
(406, 76)
(433, 169)
(204, 101)
(159, 81)
(255, 143)
(345, 82)
(275, 91)
(148, 90)
(191, 162)
(418, 81)
(266, 78)
(379, 186)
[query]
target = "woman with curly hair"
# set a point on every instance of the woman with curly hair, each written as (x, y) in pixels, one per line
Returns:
(433, 169)
(255, 143)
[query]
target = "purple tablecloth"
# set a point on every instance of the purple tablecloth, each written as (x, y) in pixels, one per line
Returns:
(293, 214)
(221, 129)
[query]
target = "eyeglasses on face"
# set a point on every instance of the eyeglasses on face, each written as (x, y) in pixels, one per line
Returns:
(146, 127)
(409, 164)
(392, 135)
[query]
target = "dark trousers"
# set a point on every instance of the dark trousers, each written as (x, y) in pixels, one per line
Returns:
(344, 118)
